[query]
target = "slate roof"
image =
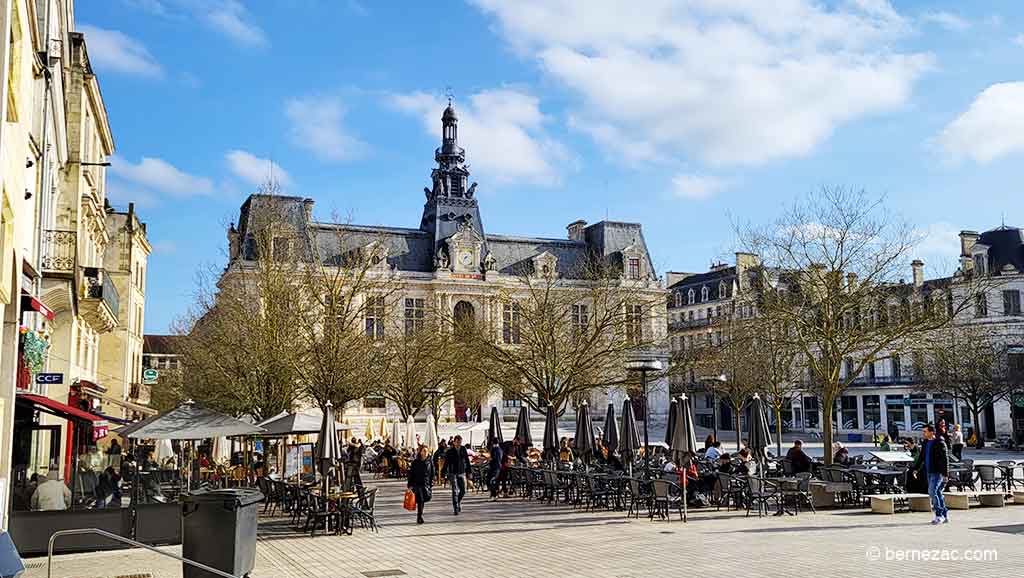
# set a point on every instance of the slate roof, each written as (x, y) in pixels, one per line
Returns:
(1005, 247)
(160, 344)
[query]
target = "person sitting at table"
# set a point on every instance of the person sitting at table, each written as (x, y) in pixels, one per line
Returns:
(886, 445)
(714, 451)
(708, 442)
(565, 453)
(204, 462)
(108, 490)
(842, 457)
(390, 457)
(52, 494)
(800, 461)
(910, 446)
(747, 464)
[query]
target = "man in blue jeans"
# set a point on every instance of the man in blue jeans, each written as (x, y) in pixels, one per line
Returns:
(933, 462)
(456, 466)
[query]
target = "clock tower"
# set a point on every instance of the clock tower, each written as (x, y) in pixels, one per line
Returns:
(451, 214)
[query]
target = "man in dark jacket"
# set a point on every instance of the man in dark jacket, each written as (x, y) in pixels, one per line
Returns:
(797, 458)
(933, 463)
(494, 469)
(456, 466)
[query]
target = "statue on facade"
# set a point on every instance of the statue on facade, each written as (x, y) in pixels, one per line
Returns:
(472, 189)
(441, 259)
(466, 223)
(438, 184)
(490, 263)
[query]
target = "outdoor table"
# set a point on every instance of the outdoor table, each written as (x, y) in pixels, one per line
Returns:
(1006, 471)
(343, 503)
(886, 478)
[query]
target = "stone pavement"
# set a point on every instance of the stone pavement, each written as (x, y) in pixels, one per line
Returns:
(514, 538)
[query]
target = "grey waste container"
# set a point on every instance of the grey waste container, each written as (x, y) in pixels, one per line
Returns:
(218, 529)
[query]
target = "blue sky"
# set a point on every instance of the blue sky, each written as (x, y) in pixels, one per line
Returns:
(683, 115)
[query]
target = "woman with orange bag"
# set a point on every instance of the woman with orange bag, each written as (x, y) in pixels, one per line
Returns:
(421, 481)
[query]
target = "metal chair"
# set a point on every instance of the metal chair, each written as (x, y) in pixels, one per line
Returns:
(987, 477)
(665, 496)
(760, 491)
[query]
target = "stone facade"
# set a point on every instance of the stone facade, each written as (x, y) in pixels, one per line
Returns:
(450, 262)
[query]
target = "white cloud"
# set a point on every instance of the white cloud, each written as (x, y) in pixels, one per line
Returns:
(1019, 39)
(503, 132)
(947, 20)
(233, 19)
(939, 247)
(164, 247)
(697, 187)
(117, 52)
(316, 125)
(991, 128)
(726, 81)
(155, 7)
(160, 175)
(255, 170)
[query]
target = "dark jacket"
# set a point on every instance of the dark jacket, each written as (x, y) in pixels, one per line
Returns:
(456, 462)
(497, 456)
(421, 474)
(939, 457)
(800, 461)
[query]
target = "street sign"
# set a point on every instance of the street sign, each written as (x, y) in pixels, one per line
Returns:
(49, 378)
(150, 376)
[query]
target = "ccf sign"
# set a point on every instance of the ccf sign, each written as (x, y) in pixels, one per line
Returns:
(49, 378)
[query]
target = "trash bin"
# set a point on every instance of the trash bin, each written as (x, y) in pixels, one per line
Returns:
(218, 529)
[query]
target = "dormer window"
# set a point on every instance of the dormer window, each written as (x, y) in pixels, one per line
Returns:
(691, 297)
(634, 268)
(721, 289)
(979, 263)
(678, 299)
(704, 293)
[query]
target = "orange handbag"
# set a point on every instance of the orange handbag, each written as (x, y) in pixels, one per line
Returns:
(410, 501)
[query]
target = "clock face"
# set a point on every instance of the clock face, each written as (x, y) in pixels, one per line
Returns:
(465, 258)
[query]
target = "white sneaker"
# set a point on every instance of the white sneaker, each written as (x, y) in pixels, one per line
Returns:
(945, 519)
(936, 520)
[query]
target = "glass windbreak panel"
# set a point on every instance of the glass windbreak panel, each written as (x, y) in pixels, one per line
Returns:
(872, 412)
(894, 411)
(848, 403)
(918, 411)
(811, 413)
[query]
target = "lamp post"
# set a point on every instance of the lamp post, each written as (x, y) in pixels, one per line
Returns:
(643, 366)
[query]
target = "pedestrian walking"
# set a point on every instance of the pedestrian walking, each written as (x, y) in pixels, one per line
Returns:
(933, 463)
(957, 442)
(456, 466)
(421, 480)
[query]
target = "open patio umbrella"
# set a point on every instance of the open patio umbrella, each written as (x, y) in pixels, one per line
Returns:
(610, 438)
(494, 428)
(760, 433)
(629, 435)
(672, 415)
(584, 433)
(305, 422)
(550, 433)
(685, 442)
(189, 421)
(523, 427)
(328, 450)
(430, 438)
(410, 432)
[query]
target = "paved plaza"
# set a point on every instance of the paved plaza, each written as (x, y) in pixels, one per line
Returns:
(515, 538)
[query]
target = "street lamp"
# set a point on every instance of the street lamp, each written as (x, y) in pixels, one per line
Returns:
(714, 399)
(643, 366)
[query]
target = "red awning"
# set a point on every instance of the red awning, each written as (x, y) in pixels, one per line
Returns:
(64, 410)
(29, 302)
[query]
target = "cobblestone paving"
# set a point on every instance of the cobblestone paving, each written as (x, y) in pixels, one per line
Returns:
(514, 538)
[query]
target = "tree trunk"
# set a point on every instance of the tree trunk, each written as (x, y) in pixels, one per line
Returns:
(738, 433)
(826, 436)
(978, 434)
(778, 432)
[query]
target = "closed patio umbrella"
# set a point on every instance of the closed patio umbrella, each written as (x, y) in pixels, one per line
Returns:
(328, 450)
(221, 452)
(551, 433)
(430, 438)
(384, 431)
(523, 427)
(396, 435)
(760, 433)
(686, 446)
(670, 428)
(610, 439)
(584, 433)
(494, 428)
(368, 434)
(629, 435)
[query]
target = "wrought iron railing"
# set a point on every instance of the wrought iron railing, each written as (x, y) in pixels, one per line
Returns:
(101, 287)
(59, 251)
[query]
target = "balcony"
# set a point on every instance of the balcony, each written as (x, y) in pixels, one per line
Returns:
(140, 393)
(689, 324)
(99, 299)
(60, 252)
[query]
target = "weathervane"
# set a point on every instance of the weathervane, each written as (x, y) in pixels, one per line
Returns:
(450, 94)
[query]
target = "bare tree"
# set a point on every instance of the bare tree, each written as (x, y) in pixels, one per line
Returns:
(556, 340)
(833, 264)
(774, 360)
(730, 349)
(966, 362)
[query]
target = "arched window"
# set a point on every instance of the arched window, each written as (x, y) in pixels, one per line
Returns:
(679, 299)
(691, 297)
(704, 293)
(721, 289)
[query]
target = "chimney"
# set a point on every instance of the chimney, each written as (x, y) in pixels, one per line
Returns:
(673, 277)
(967, 241)
(575, 230)
(307, 208)
(917, 266)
